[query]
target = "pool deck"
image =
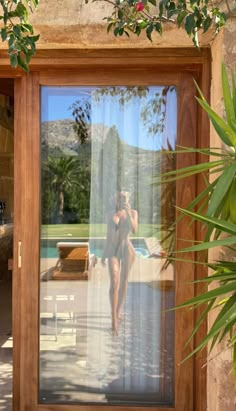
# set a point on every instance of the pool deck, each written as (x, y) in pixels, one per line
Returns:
(79, 352)
(6, 344)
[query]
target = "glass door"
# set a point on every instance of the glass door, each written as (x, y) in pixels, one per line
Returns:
(95, 282)
(106, 229)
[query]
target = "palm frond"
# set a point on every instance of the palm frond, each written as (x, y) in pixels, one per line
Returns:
(215, 208)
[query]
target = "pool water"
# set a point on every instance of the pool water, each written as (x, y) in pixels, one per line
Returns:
(52, 252)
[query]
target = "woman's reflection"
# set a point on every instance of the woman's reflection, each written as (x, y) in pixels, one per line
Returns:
(120, 252)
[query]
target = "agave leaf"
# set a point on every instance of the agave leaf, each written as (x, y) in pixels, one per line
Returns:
(226, 264)
(206, 245)
(223, 184)
(215, 195)
(185, 260)
(233, 92)
(224, 153)
(219, 170)
(223, 211)
(228, 318)
(183, 173)
(228, 100)
(199, 90)
(225, 132)
(213, 331)
(216, 277)
(226, 315)
(200, 198)
(209, 295)
(227, 330)
(226, 308)
(217, 336)
(203, 205)
(200, 320)
(225, 226)
(195, 168)
(203, 194)
(221, 133)
(205, 151)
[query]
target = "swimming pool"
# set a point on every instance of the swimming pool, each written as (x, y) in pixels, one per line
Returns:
(49, 247)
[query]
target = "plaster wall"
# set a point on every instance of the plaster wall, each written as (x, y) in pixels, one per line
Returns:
(221, 394)
(72, 23)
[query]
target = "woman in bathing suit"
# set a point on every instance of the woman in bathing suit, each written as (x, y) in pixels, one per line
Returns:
(120, 252)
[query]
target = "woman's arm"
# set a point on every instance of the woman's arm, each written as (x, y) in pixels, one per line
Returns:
(133, 219)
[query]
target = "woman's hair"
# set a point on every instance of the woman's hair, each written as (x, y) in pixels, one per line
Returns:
(123, 195)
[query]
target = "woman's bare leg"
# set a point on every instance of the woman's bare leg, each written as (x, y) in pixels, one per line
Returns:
(124, 274)
(114, 270)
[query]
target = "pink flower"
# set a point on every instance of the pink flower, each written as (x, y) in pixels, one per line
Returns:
(139, 6)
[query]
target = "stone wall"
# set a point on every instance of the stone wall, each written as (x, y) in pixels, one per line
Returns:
(74, 24)
(221, 385)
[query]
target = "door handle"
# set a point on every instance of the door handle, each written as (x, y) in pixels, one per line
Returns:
(19, 254)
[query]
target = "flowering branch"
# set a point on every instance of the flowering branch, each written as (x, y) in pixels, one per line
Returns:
(150, 16)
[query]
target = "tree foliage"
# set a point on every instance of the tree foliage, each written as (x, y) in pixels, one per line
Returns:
(153, 112)
(128, 16)
(135, 16)
(17, 31)
(63, 173)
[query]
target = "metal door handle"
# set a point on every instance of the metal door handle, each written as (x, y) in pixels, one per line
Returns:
(19, 254)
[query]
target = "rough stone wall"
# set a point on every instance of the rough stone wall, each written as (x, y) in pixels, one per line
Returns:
(221, 393)
(72, 24)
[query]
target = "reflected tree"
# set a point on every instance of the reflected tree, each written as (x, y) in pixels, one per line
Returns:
(153, 113)
(68, 201)
(81, 111)
(63, 177)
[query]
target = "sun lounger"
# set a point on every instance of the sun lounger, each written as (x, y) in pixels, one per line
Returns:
(75, 261)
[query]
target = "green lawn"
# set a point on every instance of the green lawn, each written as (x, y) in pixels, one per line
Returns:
(96, 230)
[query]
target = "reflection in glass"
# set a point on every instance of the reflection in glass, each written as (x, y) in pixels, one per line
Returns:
(105, 230)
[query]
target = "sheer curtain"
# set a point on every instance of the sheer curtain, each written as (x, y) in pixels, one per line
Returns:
(125, 156)
(88, 354)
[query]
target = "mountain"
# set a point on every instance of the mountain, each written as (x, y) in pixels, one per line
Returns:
(115, 165)
(59, 137)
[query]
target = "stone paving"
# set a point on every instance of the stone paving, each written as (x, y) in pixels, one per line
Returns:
(5, 347)
(79, 353)
(82, 360)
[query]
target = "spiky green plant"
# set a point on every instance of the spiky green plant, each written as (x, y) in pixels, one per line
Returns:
(215, 209)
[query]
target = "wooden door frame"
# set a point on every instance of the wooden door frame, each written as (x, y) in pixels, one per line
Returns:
(60, 64)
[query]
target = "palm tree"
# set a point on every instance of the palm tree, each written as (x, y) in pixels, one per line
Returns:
(63, 175)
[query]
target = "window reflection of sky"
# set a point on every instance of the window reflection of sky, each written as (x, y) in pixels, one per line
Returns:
(56, 103)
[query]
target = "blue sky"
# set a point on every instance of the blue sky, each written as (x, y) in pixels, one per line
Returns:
(56, 101)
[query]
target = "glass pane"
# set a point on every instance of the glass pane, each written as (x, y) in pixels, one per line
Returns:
(106, 226)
